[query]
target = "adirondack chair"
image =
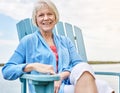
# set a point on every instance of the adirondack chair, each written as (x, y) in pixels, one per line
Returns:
(25, 27)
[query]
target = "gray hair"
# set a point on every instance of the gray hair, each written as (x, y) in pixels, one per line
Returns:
(40, 4)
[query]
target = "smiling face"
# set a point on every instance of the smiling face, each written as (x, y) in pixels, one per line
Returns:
(45, 19)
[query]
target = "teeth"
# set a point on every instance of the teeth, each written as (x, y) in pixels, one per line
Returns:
(46, 23)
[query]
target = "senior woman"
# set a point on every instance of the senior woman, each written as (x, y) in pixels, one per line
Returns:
(45, 52)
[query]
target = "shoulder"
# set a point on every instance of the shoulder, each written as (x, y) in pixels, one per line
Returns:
(27, 39)
(64, 40)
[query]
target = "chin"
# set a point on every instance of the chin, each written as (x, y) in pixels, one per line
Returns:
(47, 30)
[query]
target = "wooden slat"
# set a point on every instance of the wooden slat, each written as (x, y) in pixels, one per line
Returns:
(25, 27)
(21, 29)
(33, 27)
(60, 28)
(28, 26)
(80, 43)
(23, 85)
(69, 32)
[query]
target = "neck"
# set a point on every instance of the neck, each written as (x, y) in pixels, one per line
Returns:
(48, 37)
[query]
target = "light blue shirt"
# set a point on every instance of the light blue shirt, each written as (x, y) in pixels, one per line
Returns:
(33, 48)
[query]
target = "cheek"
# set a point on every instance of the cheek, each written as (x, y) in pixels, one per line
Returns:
(53, 17)
(38, 20)
(54, 20)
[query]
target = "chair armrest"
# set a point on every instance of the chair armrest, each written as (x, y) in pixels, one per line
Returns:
(107, 73)
(40, 77)
(111, 74)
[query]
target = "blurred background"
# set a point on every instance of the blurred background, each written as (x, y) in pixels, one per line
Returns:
(98, 20)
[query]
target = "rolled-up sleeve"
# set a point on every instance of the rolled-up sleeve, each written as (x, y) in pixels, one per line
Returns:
(15, 65)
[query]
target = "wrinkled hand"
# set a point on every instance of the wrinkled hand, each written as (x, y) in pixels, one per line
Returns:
(57, 85)
(44, 68)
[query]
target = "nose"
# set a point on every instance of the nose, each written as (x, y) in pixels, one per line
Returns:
(46, 17)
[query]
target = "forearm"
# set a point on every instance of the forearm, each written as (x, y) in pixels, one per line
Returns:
(28, 68)
(64, 75)
(34, 66)
(57, 84)
(43, 68)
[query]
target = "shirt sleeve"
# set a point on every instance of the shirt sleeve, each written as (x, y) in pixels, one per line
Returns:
(75, 58)
(15, 65)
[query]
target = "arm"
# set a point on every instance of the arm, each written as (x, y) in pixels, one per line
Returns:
(14, 67)
(57, 84)
(43, 68)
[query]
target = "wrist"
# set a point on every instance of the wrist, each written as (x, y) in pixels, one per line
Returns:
(29, 68)
(64, 75)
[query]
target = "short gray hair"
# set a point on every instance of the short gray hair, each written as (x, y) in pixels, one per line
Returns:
(39, 4)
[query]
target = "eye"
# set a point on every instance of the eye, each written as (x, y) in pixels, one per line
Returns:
(40, 15)
(49, 14)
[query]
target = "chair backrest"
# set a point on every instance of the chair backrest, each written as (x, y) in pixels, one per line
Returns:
(25, 27)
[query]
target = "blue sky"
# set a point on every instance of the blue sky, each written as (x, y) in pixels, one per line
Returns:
(99, 23)
(7, 27)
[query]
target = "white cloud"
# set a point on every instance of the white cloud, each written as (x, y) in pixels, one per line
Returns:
(7, 48)
(16, 9)
(102, 44)
(8, 42)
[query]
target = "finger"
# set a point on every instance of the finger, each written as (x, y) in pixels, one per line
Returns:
(52, 73)
(55, 87)
(56, 90)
